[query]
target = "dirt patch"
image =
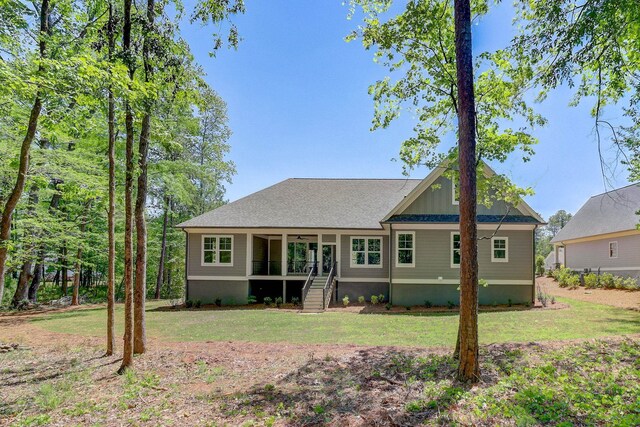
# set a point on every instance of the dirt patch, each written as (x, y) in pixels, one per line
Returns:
(613, 297)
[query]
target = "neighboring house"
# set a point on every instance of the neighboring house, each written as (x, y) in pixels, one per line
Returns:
(603, 235)
(397, 237)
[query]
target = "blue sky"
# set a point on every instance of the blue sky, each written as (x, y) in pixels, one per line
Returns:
(299, 107)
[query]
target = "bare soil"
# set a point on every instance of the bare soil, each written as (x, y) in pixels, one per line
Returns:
(614, 297)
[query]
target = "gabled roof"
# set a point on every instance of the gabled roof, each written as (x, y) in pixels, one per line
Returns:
(610, 212)
(455, 219)
(311, 203)
(431, 178)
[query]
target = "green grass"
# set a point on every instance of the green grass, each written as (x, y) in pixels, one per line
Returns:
(581, 320)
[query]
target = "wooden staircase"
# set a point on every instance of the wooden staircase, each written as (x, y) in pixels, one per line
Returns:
(314, 301)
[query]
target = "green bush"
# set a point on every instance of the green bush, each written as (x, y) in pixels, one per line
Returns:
(188, 303)
(573, 281)
(428, 304)
(267, 301)
(388, 306)
(374, 299)
(345, 300)
(562, 276)
(361, 299)
(381, 298)
(607, 280)
(539, 265)
(591, 281)
(218, 302)
(450, 304)
(295, 301)
(631, 284)
(252, 299)
(197, 303)
(278, 302)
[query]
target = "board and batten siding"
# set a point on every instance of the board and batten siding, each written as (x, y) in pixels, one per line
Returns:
(594, 254)
(194, 261)
(363, 272)
(436, 200)
(433, 257)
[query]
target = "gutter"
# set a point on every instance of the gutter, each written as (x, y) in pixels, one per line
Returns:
(186, 265)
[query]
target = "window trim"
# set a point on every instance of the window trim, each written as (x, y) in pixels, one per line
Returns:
(216, 262)
(454, 201)
(413, 250)
(451, 249)
(617, 249)
(506, 249)
(366, 252)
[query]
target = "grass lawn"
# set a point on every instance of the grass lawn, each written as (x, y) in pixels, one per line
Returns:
(580, 320)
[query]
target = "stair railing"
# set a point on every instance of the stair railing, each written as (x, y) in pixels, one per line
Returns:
(307, 285)
(329, 286)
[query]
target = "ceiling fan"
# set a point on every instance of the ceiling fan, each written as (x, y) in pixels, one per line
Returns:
(301, 238)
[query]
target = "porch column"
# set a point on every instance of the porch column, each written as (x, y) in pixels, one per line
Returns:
(319, 255)
(339, 252)
(249, 254)
(284, 254)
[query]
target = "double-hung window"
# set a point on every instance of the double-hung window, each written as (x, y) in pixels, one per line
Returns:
(613, 249)
(405, 249)
(217, 250)
(455, 250)
(500, 249)
(366, 252)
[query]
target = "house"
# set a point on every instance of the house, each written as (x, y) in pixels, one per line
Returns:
(603, 235)
(396, 237)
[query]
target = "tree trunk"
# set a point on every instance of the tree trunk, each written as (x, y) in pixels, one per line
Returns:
(23, 167)
(77, 269)
(468, 367)
(65, 272)
(22, 290)
(127, 354)
(38, 276)
(111, 225)
(163, 248)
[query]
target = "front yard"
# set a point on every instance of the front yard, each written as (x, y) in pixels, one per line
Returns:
(278, 367)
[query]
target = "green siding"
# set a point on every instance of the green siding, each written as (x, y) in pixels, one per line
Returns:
(440, 295)
(363, 272)
(207, 291)
(194, 262)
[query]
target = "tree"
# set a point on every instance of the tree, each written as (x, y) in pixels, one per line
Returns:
(557, 221)
(423, 47)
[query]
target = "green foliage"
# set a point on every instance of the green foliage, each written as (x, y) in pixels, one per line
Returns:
(252, 299)
(609, 281)
(361, 299)
(539, 265)
(295, 301)
(267, 301)
(381, 298)
(450, 305)
(345, 300)
(562, 276)
(388, 306)
(428, 304)
(278, 302)
(374, 299)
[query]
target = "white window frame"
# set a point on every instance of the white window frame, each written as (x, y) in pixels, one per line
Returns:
(615, 242)
(216, 262)
(366, 252)
(453, 233)
(413, 249)
(506, 249)
(454, 201)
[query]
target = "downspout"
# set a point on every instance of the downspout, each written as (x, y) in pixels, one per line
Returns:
(533, 288)
(186, 265)
(390, 259)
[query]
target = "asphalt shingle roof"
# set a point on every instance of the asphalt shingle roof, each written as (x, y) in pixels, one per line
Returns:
(311, 203)
(454, 219)
(605, 213)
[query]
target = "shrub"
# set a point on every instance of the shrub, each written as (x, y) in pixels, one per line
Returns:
(295, 301)
(188, 303)
(218, 302)
(553, 299)
(361, 299)
(374, 299)
(197, 303)
(408, 307)
(539, 265)
(278, 302)
(345, 300)
(562, 275)
(450, 304)
(388, 306)
(591, 281)
(631, 284)
(510, 303)
(573, 281)
(381, 298)
(428, 304)
(252, 299)
(606, 280)
(267, 301)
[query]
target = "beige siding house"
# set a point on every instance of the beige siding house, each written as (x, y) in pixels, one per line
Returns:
(319, 240)
(603, 235)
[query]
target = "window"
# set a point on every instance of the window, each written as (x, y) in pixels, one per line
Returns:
(455, 250)
(404, 249)
(613, 249)
(366, 252)
(217, 250)
(500, 249)
(454, 193)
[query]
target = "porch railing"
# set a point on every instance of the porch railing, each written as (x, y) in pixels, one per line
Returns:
(329, 286)
(313, 271)
(267, 268)
(300, 267)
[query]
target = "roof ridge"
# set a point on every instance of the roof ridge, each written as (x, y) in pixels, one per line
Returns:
(359, 179)
(616, 189)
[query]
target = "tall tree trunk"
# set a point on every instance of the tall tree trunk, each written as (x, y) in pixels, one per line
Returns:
(163, 247)
(127, 354)
(23, 167)
(31, 236)
(140, 334)
(77, 269)
(111, 224)
(468, 367)
(22, 290)
(65, 272)
(38, 276)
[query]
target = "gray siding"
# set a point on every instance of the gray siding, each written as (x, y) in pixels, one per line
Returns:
(194, 262)
(440, 295)
(207, 291)
(364, 272)
(440, 201)
(595, 254)
(356, 289)
(433, 257)
(328, 238)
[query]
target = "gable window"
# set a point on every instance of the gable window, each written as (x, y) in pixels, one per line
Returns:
(500, 249)
(613, 249)
(366, 252)
(455, 250)
(217, 250)
(454, 193)
(405, 246)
